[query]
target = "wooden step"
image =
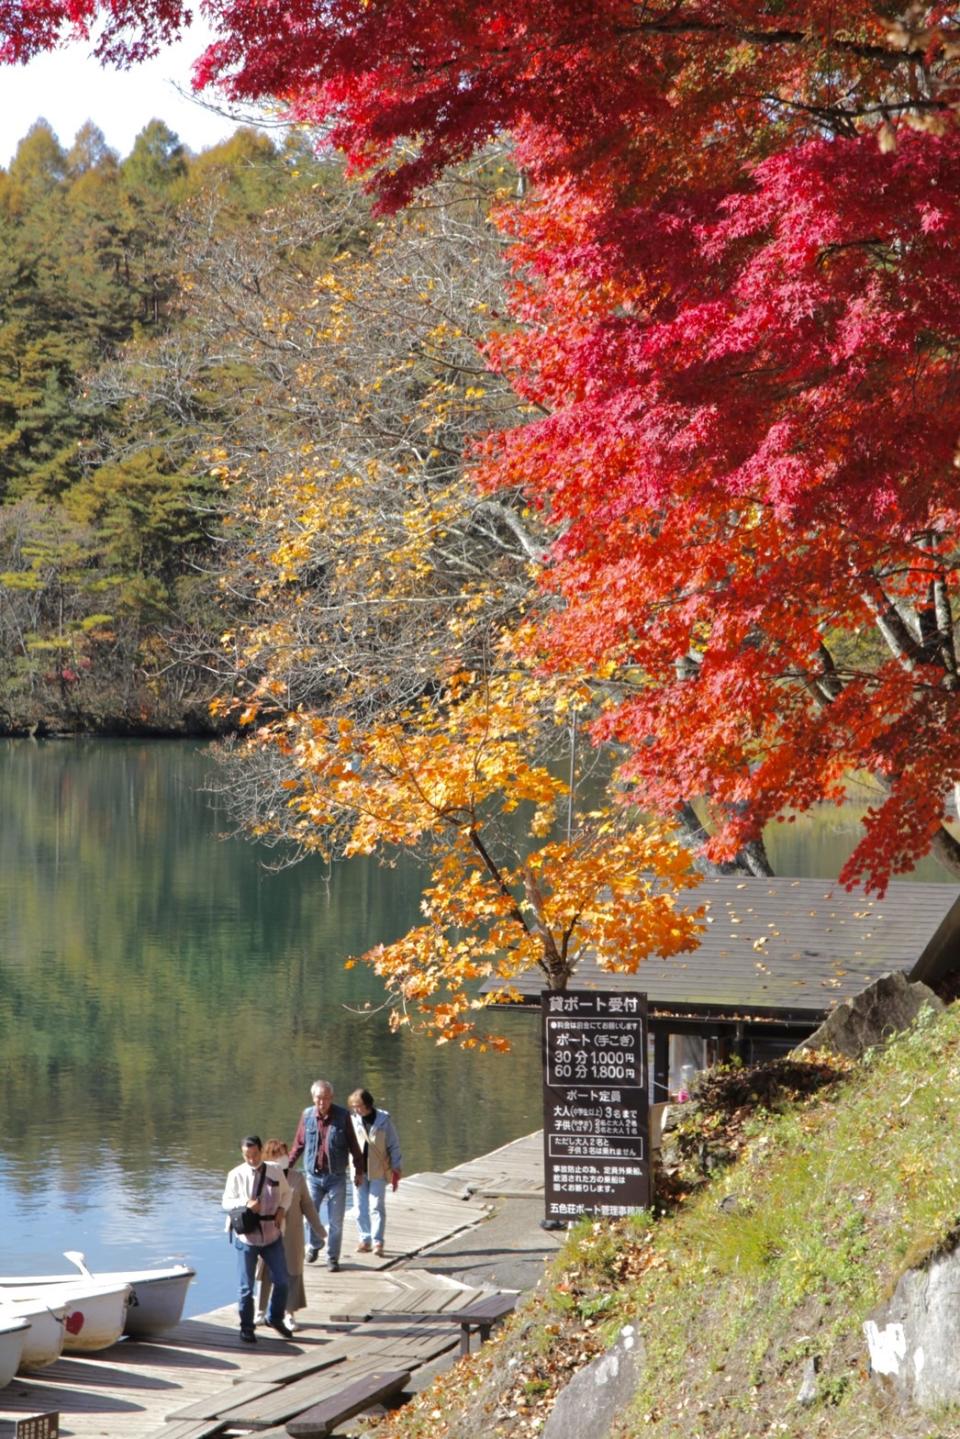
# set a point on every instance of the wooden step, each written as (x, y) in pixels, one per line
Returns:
(321, 1419)
(212, 1404)
(288, 1400)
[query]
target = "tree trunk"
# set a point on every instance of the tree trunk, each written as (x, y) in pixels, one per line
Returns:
(752, 859)
(946, 849)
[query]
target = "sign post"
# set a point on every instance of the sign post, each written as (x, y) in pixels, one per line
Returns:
(595, 1111)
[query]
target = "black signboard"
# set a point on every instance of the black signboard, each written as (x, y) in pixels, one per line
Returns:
(37, 1426)
(595, 1120)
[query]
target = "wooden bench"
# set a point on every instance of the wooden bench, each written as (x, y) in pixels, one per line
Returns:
(479, 1316)
(321, 1419)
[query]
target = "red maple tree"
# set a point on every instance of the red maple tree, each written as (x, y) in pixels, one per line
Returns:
(750, 453)
(737, 278)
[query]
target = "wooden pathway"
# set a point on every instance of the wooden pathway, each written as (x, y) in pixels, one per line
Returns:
(514, 1171)
(197, 1381)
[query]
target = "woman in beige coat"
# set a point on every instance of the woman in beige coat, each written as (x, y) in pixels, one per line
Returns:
(300, 1207)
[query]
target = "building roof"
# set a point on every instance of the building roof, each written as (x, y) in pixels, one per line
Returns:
(797, 946)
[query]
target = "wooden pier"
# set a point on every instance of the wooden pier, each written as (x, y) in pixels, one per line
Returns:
(199, 1382)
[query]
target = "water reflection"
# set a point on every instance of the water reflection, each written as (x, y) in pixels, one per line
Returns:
(161, 994)
(817, 844)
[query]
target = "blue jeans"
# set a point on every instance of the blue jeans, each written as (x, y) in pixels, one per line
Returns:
(329, 1195)
(275, 1260)
(371, 1192)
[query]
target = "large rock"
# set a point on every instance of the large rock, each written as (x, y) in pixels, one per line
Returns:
(600, 1392)
(914, 1338)
(885, 1007)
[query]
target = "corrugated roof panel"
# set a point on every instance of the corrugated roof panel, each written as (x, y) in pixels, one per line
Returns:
(785, 943)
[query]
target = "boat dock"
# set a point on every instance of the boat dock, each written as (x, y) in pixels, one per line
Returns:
(376, 1329)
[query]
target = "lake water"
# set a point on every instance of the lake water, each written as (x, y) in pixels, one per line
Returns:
(162, 994)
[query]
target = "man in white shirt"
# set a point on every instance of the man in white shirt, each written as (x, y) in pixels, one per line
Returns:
(262, 1190)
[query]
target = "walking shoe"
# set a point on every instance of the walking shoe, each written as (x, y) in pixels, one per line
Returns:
(291, 1323)
(334, 1266)
(364, 1246)
(312, 1255)
(248, 1336)
(378, 1249)
(259, 1317)
(281, 1328)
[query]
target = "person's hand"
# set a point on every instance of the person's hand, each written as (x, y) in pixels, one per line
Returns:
(254, 1204)
(395, 1176)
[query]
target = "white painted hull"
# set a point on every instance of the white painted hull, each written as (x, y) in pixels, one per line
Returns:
(13, 1333)
(156, 1302)
(94, 1310)
(43, 1344)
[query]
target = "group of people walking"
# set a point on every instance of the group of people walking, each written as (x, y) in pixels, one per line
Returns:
(279, 1217)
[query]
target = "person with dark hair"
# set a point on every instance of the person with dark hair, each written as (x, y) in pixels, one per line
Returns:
(326, 1140)
(255, 1198)
(300, 1208)
(380, 1146)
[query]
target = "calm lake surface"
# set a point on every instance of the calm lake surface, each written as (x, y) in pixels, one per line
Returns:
(162, 994)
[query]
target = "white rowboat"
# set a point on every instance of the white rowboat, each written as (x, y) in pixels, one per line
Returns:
(44, 1341)
(157, 1300)
(158, 1295)
(94, 1309)
(13, 1333)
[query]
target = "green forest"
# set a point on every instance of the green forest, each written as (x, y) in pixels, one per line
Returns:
(119, 374)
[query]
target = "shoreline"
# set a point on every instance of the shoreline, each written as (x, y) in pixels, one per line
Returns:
(451, 1236)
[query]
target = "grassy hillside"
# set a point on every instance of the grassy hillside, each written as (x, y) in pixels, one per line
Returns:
(778, 1257)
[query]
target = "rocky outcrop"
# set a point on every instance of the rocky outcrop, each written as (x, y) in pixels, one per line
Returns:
(871, 1017)
(599, 1392)
(914, 1338)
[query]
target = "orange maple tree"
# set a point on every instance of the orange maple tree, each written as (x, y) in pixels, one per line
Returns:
(378, 574)
(463, 778)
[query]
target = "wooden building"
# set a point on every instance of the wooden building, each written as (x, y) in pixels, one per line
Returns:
(777, 955)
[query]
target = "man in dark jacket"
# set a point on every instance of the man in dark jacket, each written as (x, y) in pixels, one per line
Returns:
(326, 1139)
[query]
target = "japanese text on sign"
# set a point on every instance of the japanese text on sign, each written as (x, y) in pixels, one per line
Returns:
(595, 1104)
(37, 1426)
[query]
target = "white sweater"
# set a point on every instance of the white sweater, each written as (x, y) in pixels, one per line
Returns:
(275, 1194)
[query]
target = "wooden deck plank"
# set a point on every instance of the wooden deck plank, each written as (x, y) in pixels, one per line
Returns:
(212, 1404)
(189, 1429)
(290, 1399)
(320, 1419)
(413, 1290)
(429, 1297)
(516, 1169)
(310, 1361)
(479, 1317)
(417, 1345)
(165, 1388)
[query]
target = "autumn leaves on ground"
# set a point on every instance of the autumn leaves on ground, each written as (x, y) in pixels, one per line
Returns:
(828, 1179)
